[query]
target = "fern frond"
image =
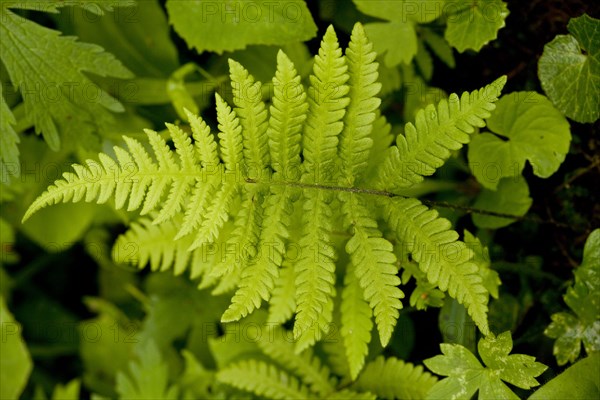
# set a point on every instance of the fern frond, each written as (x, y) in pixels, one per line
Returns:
(242, 246)
(230, 136)
(305, 365)
(444, 259)
(425, 146)
(287, 115)
(263, 379)
(327, 104)
(256, 281)
(216, 215)
(315, 270)
(382, 137)
(179, 188)
(204, 141)
(251, 110)
(199, 203)
(356, 322)
(283, 302)
(355, 142)
(146, 242)
(134, 175)
(392, 378)
(375, 266)
(322, 325)
(335, 350)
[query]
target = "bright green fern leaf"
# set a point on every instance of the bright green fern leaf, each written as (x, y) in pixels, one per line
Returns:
(374, 265)
(288, 113)
(315, 270)
(395, 379)
(437, 131)
(355, 142)
(276, 235)
(444, 259)
(305, 365)
(145, 243)
(356, 323)
(327, 104)
(263, 379)
(247, 96)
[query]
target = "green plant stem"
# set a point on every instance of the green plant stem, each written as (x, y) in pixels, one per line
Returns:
(430, 203)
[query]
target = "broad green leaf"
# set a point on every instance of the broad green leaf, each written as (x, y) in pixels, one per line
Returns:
(473, 24)
(569, 70)
(465, 374)
(397, 38)
(226, 26)
(15, 363)
(511, 197)
(526, 126)
(583, 298)
(578, 382)
(48, 70)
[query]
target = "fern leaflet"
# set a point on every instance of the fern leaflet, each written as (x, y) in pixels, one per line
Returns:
(395, 379)
(263, 379)
(444, 259)
(427, 144)
(356, 323)
(375, 266)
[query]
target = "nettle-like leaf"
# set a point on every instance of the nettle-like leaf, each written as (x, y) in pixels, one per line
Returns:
(266, 217)
(48, 70)
(569, 70)
(148, 378)
(583, 298)
(224, 26)
(9, 140)
(473, 24)
(466, 375)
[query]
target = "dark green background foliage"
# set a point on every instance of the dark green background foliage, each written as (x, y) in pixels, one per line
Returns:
(421, 243)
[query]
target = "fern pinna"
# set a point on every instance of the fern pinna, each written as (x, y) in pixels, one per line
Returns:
(267, 207)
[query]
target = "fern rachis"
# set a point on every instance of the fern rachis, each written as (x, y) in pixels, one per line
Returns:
(203, 188)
